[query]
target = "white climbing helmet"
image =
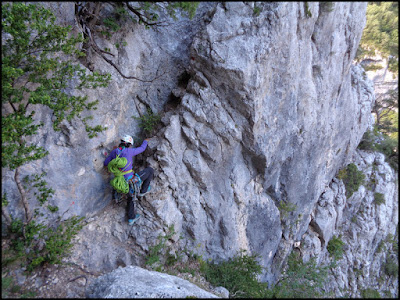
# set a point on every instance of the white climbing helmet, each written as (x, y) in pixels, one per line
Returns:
(127, 139)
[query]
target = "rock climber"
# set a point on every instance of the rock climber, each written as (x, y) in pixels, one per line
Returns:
(145, 175)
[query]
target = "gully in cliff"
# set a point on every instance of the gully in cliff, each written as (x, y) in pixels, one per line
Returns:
(126, 181)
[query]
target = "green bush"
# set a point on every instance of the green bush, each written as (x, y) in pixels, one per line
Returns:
(391, 267)
(17, 291)
(301, 279)
(148, 121)
(238, 275)
(370, 293)
(383, 143)
(335, 247)
(379, 198)
(286, 208)
(352, 179)
(157, 251)
(42, 244)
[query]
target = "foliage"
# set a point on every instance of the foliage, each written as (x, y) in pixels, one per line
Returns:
(327, 6)
(386, 111)
(383, 143)
(301, 279)
(148, 121)
(370, 293)
(391, 267)
(286, 208)
(352, 179)
(373, 67)
(256, 10)
(42, 193)
(155, 251)
(307, 10)
(381, 32)
(8, 286)
(335, 247)
(36, 244)
(34, 73)
(379, 198)
(238, 275)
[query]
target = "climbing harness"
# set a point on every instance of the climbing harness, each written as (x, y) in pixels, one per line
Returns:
(135, 184)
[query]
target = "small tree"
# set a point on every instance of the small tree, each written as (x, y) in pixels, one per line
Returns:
(37, 69)
(381, 32)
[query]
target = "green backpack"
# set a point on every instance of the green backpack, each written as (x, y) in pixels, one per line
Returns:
(118, 182)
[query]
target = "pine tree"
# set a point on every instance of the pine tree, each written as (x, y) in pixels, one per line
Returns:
(381, 32)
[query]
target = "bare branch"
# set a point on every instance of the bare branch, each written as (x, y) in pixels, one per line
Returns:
(6, 215)
(22, 191)
(141, 17)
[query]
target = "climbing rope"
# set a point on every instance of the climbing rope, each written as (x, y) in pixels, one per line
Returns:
(118, 182)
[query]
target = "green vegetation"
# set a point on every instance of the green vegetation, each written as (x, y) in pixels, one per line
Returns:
(373, 67)
(327, 6)
(94, 15)
(11, 290)
(286, 208)
(379, 198)
(148, 121)
(256, 10)
(377, 141)
(301, 279)
(381, 33)
(370, 293)
(36, 244)
(335, 247)
(37, 69)
(352, 179)
(307, 10)
(32, 74)
(159, 249)
(238, 275)
(391, 267)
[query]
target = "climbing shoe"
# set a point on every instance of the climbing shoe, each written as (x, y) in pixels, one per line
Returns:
(142, 194)
(132, 221)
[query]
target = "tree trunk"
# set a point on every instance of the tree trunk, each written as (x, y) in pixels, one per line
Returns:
(23, 195)
(6, 215)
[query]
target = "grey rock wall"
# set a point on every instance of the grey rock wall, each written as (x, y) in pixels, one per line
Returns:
(271, 109)
(365, 226)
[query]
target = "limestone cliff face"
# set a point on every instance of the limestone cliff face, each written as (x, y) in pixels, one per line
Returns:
(272, 109)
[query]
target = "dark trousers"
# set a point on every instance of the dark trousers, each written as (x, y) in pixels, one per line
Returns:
(146, 176)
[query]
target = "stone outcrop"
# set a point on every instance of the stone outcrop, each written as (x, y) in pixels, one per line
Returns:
(261, 106)
(367, 228)
(135, 282)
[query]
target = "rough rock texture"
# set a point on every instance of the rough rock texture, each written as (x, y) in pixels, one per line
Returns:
(135, 282)
(260, 111)
(271, 121)
(366, 228)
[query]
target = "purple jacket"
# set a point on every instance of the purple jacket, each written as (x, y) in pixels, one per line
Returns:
(128, 153)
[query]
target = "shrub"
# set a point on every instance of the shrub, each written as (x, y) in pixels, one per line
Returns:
(301, 280)
(379, 198)
(391, 267)
(41, 244)
(377, 141)
(238, 275)
(160, 248)
(148, 121)
(352, 179)
(335, 247)
(370, 293)
(286, 208)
